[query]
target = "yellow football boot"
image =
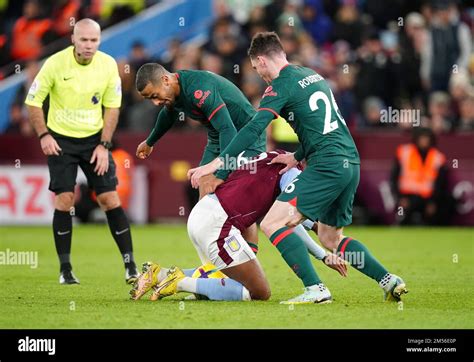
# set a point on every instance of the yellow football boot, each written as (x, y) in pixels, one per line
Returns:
(146, 280)
(169, 285)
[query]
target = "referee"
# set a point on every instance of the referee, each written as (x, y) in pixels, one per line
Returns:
(80, 81)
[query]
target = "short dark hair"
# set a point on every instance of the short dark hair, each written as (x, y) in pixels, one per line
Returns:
(265, 43)
(149, 73)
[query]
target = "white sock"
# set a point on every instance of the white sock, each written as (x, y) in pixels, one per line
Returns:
(385, 281)
(245, 294)
(314, 249)
(162, 274)
(187, 284)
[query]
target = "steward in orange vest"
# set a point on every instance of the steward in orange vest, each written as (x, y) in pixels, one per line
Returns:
(419, 179)
(30, 33)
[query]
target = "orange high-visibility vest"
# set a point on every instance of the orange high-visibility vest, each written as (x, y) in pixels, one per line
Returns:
(418, 177)
(26, 37)
(124, 171)
(62, 18)
(124, 166)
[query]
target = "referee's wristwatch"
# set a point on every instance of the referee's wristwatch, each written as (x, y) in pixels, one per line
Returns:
(107, 145)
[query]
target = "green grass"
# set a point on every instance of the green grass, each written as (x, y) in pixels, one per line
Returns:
(441, 290)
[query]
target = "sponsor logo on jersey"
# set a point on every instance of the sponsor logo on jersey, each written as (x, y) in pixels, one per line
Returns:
(198, 94)
(203, 99)
(269, 92)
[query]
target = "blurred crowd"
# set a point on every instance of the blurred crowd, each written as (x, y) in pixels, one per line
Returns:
(392, 64)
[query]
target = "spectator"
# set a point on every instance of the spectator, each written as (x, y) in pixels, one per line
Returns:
(290, 17)
(459, 88)
(375, 72)
(447, 48)
(345, 98)
(440, 119)
(316, 22)
(252, 85)
(382, 12)
(466, 114)
(138, 55)
(212, 63)
(30, 32)
(188, 57)
(19, 122)
(64, 11)
(174, 47)
(371, 113)
(348, 25)
(419, 181)
(411, 44)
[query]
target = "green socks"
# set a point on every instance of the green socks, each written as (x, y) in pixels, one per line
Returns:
(295, 253)
(356, 254)
(254, 247)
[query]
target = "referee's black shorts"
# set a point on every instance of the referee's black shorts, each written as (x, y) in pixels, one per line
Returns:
(78, 152)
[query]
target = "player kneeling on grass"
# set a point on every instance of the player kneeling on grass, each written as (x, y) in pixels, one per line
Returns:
(215, 225)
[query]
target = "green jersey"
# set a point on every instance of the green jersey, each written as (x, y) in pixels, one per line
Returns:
(215, 102)
(304, 99)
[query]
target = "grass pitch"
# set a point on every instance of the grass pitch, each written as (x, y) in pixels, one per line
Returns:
(436, 263)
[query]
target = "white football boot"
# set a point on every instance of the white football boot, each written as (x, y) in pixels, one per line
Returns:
(315, 294)
(393, 287)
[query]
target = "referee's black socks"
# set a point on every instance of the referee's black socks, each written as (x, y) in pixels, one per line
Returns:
(120, 229)
(62, 228)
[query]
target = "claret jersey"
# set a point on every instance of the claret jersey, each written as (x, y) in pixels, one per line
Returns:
(249, 192)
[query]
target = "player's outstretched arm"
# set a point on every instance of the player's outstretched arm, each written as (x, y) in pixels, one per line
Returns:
(163, 123)
(143, 150)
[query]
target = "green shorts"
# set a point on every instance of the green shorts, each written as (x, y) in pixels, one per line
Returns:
(325, 193)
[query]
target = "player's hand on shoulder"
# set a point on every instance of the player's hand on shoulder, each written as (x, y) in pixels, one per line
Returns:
(208, 184)
(143, 150)
(286, 158)
(101, 157)
(195, 174)
(49, 146)
(335, 262)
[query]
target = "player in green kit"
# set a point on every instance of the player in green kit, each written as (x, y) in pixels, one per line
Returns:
(205, 97)
(324, 191)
